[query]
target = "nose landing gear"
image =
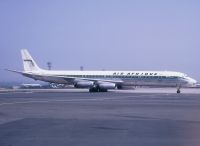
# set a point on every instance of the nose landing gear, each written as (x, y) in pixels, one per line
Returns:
(178, 89)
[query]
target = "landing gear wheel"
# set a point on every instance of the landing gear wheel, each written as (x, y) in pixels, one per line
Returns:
(97, 90)
(178, 86)
(103, 90)
(93, 90)
(119, 86)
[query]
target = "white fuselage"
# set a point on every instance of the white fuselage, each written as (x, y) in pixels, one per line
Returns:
(100, 81)
(124, 78)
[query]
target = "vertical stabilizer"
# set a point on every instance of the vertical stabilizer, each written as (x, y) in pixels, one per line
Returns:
(28, 62)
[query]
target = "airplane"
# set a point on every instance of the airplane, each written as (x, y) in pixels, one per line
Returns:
(102, 81)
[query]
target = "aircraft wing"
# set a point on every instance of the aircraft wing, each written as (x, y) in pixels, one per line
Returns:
(15, 71)
(76, 79)
(62, 79)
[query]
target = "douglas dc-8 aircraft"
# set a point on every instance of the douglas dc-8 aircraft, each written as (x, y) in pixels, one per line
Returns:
(101, 81)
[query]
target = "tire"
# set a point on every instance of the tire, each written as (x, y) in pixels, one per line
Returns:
(103, 90)
(93, 90)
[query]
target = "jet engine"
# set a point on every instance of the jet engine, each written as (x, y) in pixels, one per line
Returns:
(83, 84)
(105, 85)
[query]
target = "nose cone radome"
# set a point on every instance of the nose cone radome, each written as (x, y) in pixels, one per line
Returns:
(192, 81)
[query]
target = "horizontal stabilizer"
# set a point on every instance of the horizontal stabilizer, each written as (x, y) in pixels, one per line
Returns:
(15, 71)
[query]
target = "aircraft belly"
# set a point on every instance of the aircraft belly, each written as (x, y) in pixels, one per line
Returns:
(148, 82)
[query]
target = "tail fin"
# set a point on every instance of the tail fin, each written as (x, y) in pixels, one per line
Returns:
(28, 62)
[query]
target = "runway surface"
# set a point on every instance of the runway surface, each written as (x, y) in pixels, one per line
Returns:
(117, 118)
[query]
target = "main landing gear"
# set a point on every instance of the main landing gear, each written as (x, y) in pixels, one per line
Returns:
(96, 89)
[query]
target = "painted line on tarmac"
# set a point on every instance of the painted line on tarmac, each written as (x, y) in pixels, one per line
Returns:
(49, 101)
(70, 100)
(18, 92)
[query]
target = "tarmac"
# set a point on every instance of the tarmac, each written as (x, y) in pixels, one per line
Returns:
(74, 117)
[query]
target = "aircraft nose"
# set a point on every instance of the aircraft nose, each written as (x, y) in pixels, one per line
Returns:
(192, 81)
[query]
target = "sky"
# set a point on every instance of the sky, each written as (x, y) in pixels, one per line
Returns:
(101, 34)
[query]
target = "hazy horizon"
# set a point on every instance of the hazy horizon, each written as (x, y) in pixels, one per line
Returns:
(110, 35)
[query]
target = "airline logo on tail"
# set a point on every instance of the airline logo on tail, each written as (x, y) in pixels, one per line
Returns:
(28, 62)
